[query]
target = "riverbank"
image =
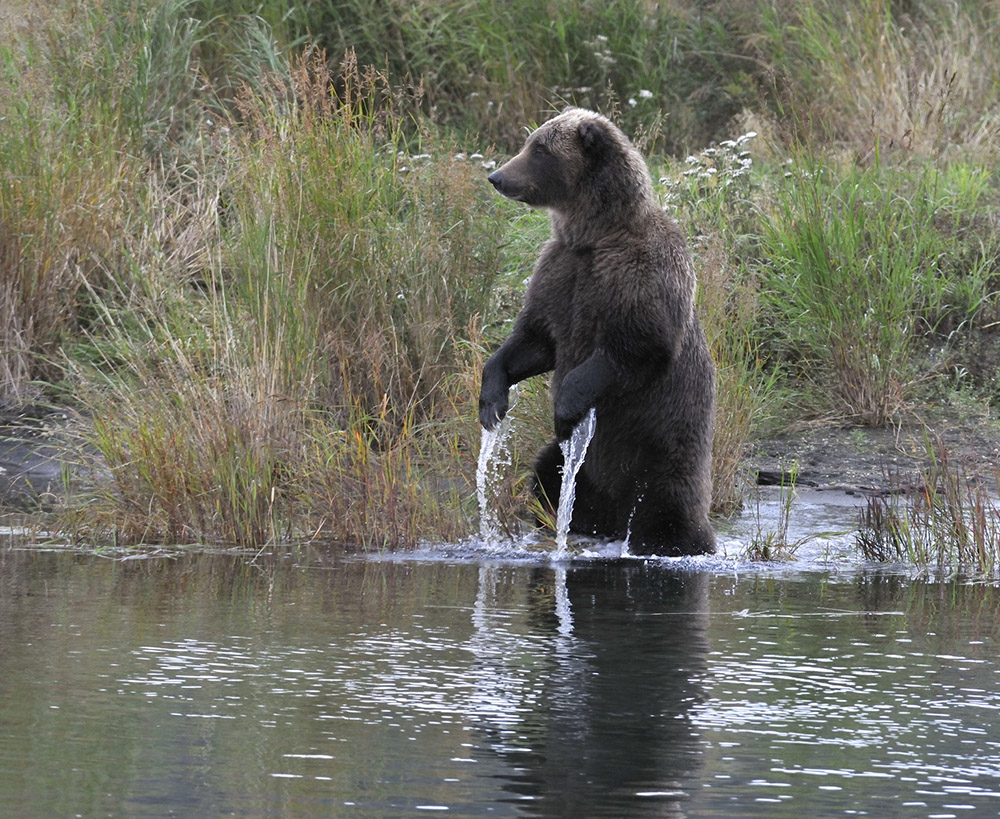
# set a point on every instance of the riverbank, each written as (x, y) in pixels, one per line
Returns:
(828, 458)
(874, 461)
(268, 274)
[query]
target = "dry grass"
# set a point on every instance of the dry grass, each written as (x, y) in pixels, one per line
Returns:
(924, 83)
(287, 370)
(729, 304)
(60, 216)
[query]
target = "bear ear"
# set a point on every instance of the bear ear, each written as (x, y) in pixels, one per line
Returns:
(593, 137)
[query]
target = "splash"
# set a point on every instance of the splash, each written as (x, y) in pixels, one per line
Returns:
(574, 450)
(494, 458)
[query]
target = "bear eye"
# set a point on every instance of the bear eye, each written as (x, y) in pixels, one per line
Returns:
(539, 150)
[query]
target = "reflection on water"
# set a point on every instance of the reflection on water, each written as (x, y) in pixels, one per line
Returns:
(206, 685)
(608, 731)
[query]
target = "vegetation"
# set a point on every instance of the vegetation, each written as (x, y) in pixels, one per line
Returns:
(774, 544)
(951, 524)
(249, 247)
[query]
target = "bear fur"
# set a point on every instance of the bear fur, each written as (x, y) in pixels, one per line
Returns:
(610, 310)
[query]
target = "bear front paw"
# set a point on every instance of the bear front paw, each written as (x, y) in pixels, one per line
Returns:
(492, 410)
(566, 423)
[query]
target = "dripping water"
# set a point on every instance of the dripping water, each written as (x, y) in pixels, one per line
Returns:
(574, 450)
(494, 458)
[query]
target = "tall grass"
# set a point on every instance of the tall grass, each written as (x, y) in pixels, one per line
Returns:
(862, 266)
(920, 78)
(93, 102)
(60, 214)
(303, 381)
(492, 68)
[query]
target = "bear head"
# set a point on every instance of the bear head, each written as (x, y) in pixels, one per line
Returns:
(583, 169)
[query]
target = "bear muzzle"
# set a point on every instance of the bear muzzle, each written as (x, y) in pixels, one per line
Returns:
(510, 186)
(496, 180)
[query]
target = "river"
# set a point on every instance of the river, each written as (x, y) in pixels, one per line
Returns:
(308, 685)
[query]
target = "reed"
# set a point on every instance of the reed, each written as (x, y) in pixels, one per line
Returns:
(950, 525)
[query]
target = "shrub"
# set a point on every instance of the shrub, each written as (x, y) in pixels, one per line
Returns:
(860, 269)
(302, 383)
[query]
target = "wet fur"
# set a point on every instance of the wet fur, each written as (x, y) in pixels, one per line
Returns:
(610, 311)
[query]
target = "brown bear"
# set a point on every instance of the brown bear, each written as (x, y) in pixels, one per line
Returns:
(610, 309)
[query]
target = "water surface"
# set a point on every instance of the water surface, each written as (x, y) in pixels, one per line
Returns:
(206, 685)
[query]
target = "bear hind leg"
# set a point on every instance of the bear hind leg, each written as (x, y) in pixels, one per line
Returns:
(546, 480)
(669, 533)
(593, 510)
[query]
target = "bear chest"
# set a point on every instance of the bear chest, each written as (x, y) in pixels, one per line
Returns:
(569, 296)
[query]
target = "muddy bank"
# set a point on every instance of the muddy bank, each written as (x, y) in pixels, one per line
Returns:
(32, 459)
(830, 457)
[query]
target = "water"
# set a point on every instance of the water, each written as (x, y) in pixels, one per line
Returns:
(452, 683)
(494, 459)
(574, 450)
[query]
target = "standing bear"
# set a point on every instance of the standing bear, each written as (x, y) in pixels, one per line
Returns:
(610, 310)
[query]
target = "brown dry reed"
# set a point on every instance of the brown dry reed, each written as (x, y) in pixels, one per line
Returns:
(300, 384)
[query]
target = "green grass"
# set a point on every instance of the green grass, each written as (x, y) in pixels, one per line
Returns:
(863, 266)
(767, 544)
(262, 280)
(490, 69)
(951, 524)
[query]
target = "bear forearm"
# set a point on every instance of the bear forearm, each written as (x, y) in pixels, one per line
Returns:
(581, 389)
(518, 358)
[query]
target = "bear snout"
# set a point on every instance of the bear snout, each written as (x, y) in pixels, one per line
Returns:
(508, 185)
